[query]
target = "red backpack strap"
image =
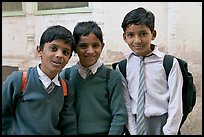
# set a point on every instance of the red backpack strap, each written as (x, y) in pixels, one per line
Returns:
(64, 87)
(24, 80)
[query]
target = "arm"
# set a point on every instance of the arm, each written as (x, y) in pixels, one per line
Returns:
(131, 118)
(175, 110)
(117, 104)
(68, 124)
(10, 92)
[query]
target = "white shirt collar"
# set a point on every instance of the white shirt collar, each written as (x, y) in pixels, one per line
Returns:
(84, 71)
(155, 52)
(45, 79)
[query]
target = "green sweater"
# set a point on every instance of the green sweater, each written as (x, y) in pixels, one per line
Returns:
(35, 112)
(99, 111)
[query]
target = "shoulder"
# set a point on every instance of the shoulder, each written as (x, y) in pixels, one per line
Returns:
(114, 73)
(13, 80)
(65, 73)
(16, 75)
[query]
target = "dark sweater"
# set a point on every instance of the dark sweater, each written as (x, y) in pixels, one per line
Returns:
(99, 111)
(36, 112)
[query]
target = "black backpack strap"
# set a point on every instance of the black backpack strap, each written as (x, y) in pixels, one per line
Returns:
(122, 67)
(114, 65)
(167, 63)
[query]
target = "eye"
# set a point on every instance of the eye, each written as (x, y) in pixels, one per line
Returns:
(143, 34)
(66, 52)
(96, 45)
(53, 48)
(82, 46)
(130, 35)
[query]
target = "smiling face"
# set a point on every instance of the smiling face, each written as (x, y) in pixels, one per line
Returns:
(54, 56)
(138, 38)
(89, 49)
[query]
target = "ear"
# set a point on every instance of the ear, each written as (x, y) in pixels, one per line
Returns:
(154, 34)
(39, 51)
(103, 44)
(124, 37)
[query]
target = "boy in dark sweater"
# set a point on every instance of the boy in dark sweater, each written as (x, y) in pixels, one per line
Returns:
(38, 111)
(100, 106)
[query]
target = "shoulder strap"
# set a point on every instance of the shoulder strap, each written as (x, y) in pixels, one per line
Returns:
(67, 73)
(107, 77)
(24, 80)
(167, 63)
(64, 87)
(114, 65)
(122, 66)
(67, 77)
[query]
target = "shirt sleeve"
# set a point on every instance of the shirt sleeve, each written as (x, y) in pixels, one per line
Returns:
(175, 110)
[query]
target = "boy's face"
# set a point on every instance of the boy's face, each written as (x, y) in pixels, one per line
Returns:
(138, 38)
(54, 56)
(89, 49)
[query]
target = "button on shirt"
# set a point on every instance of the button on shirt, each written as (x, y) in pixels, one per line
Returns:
(46, 81)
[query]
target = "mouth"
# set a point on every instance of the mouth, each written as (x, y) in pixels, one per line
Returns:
(90, 57)
(56, 62)
(137, 47)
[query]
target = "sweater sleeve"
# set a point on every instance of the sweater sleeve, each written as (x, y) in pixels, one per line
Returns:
(11, 90)
(117, 104)
(67, 122)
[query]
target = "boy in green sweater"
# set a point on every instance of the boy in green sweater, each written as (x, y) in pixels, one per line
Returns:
(37, 110)
(100, 106)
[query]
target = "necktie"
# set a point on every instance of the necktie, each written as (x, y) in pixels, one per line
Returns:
(50, 87)
(140, 106)
(88, 72)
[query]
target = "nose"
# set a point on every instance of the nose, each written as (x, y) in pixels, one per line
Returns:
(59, 54)
(137, 39)
(90, 50)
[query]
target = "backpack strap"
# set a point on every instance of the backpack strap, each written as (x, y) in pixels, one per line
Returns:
(64, 87)
(167, 63)
(24, 80)
(122, 66)
(107, 77)
(114, 65)
(66, 74)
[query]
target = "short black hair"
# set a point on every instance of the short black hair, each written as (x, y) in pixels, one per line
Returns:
(139, 16)
(85, 28)
(57, 32)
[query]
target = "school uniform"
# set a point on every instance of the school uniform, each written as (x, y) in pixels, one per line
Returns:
(37, 111)
(163, 99)
(100, 106)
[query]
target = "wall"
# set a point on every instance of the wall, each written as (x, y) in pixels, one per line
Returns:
(178, 32)
(178, 25)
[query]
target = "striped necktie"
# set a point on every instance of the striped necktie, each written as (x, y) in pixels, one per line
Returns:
(50, 87)
(140, 126)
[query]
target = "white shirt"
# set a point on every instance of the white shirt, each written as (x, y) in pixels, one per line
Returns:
(45, 79)
(161, 96)
(84, 71)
